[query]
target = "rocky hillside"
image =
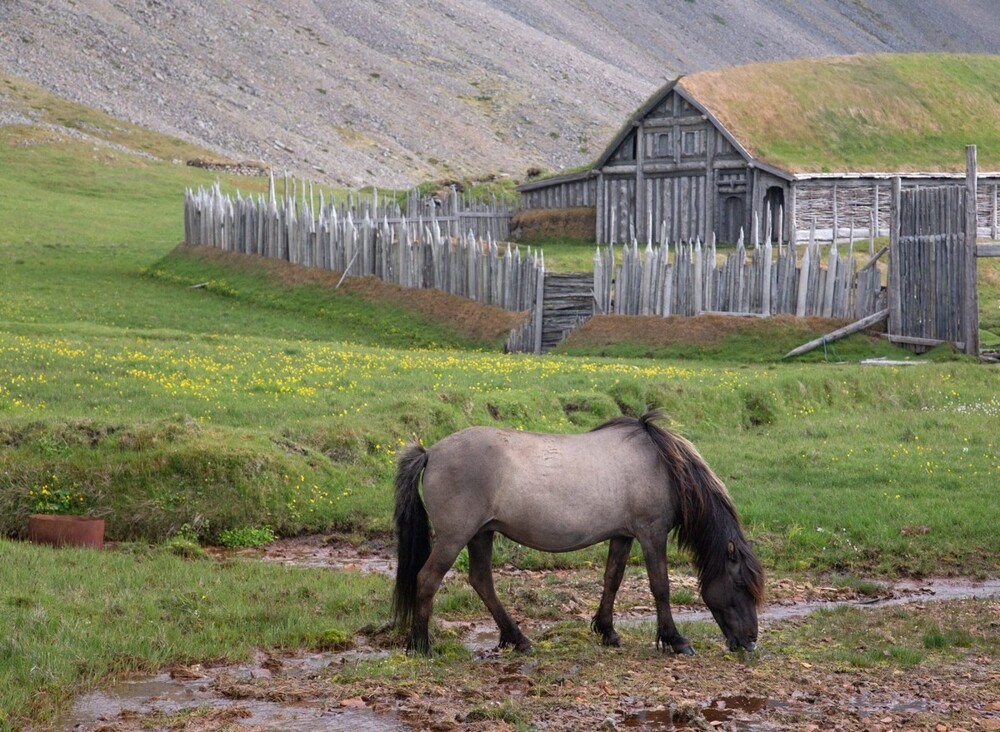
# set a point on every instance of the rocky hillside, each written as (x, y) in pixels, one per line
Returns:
(392, 92)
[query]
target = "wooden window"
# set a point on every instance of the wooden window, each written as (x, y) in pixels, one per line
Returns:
(664, 145)
(693, 142)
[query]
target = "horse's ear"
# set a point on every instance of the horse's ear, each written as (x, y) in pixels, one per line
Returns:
(731, 551)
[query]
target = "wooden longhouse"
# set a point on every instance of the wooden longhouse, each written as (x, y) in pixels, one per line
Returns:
(687, 165)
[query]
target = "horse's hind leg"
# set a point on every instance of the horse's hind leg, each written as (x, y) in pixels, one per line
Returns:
(655, 553)
(442, 557)
(603, 622)
(481, 579)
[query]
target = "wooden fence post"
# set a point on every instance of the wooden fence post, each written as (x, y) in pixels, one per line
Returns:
(970, 316)
(539, 302)
(894, 283)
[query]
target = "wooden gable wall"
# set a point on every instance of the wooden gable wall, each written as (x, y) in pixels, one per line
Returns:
(674, 175)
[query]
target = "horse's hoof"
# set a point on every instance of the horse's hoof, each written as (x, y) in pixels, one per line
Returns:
(520, 645)
(419, 648)
(612, 641)
(524, 646)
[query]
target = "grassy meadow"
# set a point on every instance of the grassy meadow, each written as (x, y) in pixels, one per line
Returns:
(182, 396)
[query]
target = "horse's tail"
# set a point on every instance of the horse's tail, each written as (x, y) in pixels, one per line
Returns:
(412, 533)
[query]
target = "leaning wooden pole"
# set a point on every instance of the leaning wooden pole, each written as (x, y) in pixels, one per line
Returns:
(970, 302)
(839, 333)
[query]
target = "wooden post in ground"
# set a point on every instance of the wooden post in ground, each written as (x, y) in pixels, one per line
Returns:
(970, 305)
(894, 284)
(539, 305)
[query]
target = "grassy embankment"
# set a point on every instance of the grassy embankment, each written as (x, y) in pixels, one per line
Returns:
(252, 402)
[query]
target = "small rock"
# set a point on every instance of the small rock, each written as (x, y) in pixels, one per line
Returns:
(187, 673)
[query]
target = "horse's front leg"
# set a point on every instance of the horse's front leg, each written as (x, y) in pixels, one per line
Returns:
(603, 622)
(655, 553)
(481, 579)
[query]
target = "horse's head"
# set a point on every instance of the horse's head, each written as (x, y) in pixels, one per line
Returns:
(733, 596)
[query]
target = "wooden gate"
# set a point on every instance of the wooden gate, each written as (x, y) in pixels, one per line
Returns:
(564, 301)
(932, 265)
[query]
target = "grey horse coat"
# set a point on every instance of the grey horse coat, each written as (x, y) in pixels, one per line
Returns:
(627, 480)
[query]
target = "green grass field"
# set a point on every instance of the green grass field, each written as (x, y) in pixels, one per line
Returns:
(175, 411)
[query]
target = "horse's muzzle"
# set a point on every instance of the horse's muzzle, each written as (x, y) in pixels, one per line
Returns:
(748, 646)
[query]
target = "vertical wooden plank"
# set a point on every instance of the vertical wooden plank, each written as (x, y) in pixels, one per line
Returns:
(800, 305)
(765, 300)
(894, 284)
(971, 304)
(994, 214)
(873, 229)
(836, 222)
(601, 234)
(639, 196)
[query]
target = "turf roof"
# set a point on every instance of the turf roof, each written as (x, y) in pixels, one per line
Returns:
(874, 113)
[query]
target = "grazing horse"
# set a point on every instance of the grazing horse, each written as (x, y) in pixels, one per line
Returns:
(626, 479)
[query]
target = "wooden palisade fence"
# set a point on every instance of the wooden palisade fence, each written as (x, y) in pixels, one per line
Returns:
(930, 296)
(933, 289)
(363, 238)
(368, 240)
(766, 280)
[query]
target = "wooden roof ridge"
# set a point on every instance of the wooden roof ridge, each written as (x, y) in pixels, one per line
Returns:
(633, 120)
(654, 101)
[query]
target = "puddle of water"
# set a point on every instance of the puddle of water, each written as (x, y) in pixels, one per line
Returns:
(866, 707)
(654, 719)
(128, 704)
(722, 710)
(316, 552)
(900, 593)
(745, 713)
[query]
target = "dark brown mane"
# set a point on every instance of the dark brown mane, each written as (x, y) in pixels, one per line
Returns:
(708, 518)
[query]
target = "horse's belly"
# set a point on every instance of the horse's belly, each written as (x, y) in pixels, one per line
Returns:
(560, 531)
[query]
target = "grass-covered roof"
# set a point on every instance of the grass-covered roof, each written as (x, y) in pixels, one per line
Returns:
(875, 113)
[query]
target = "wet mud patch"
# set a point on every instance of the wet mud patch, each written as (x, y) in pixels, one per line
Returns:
(293, 694)
(834, 655)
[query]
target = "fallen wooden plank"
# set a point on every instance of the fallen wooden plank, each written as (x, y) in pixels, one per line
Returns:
(732, 314)
(840, 333)
(883, 361)
(914, 341)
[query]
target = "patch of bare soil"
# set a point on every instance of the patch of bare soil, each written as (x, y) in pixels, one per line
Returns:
(467, 318)
(704, 330)
(873, 656)
(553, 223)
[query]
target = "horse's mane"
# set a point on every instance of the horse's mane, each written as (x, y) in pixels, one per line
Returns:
(704, 502)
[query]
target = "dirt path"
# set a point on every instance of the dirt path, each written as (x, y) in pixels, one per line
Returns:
(854, 656)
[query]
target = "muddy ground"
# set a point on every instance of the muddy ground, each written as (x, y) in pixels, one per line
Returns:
(834, 655)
